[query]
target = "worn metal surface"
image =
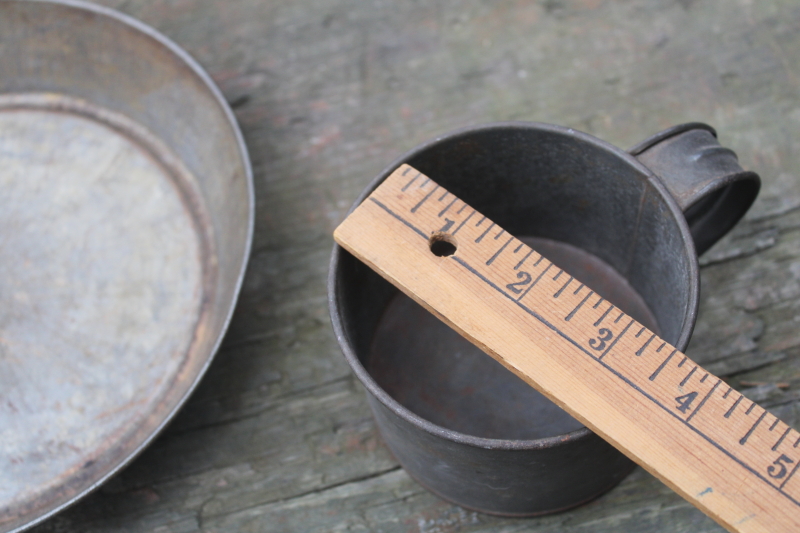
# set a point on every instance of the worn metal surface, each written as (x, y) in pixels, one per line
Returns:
(113, 289)
(279, 436)
(563, 186)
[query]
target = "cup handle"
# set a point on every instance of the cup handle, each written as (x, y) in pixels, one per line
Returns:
(712, 190)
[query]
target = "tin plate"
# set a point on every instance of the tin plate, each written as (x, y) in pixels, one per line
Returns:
(114, 289)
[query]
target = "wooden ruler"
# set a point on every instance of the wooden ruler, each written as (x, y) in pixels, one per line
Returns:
(722, 452)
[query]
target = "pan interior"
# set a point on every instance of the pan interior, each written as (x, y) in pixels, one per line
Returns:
(104, 266)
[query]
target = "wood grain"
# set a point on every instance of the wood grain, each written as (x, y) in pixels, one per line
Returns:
(722, 452)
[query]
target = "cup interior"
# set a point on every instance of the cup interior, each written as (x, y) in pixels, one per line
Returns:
(587, 206)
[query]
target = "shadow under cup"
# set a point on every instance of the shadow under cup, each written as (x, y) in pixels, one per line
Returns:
(461, 424)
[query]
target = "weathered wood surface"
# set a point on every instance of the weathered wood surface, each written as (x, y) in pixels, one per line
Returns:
(278, 436)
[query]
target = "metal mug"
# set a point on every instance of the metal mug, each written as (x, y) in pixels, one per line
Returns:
(628, 224)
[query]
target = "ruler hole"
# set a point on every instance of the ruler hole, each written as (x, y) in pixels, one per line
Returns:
(442, 244)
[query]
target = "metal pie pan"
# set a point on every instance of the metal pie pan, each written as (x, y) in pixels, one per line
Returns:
(126, 215)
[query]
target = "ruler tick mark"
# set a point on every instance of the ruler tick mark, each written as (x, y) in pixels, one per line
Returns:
(780, 440)
(789, 476)
(463, 222)
(599, 320)
(491, 259)
(398, 217)
(752, 405)
(412, 180)
(556, 295)
(523, 259)
(689, 375)
(640, 351)
(682, 362)
(479, 239)
(560, 271)
(462, 208)
(541, 257)
(414, 209)
(443, 211)
(518, 248)
(662, 365)
(601, 300)
(796, 443)
(707, 396)
(578, 289)
(532, 285)
(703, 379)
(774, 424)
(615, 340)
(730, 411)
(730, 389)
(661, 347)
(424, 183)
(752, 429)
(640, 332)
(499, 234)
(622, 314)
(442, 197)
(480, 222)
(569, 316)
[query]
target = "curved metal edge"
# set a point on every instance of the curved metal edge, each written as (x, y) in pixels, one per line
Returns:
(667, 133)
(482, 442)
(593, 497)
(198, 71)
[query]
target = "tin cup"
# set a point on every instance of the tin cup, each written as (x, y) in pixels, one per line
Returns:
(628, 224)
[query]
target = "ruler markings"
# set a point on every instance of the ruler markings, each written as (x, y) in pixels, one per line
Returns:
(491, 259)
(572, 313)
(499, 234)
(789, 476)
(752, 429)
(443, 211)
(783, 462)
(558, 275)
(733, 407)
(705, 399)
(579, 289)
(462, 208)
(532, 285)
(422, 202)
(424, 183)
(780, 440)
(479, 239)
(463, 222)
(480, 222)
(688, 376)
(655, 374)
(523, 259)
(557, 294)
(617, 339)
(640, 351)
(730, 389)
(412, 179)
(604, 315)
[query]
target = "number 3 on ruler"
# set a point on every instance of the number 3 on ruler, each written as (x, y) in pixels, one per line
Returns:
(603, 336)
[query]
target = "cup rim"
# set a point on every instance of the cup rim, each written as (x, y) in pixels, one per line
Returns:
(403, 412)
